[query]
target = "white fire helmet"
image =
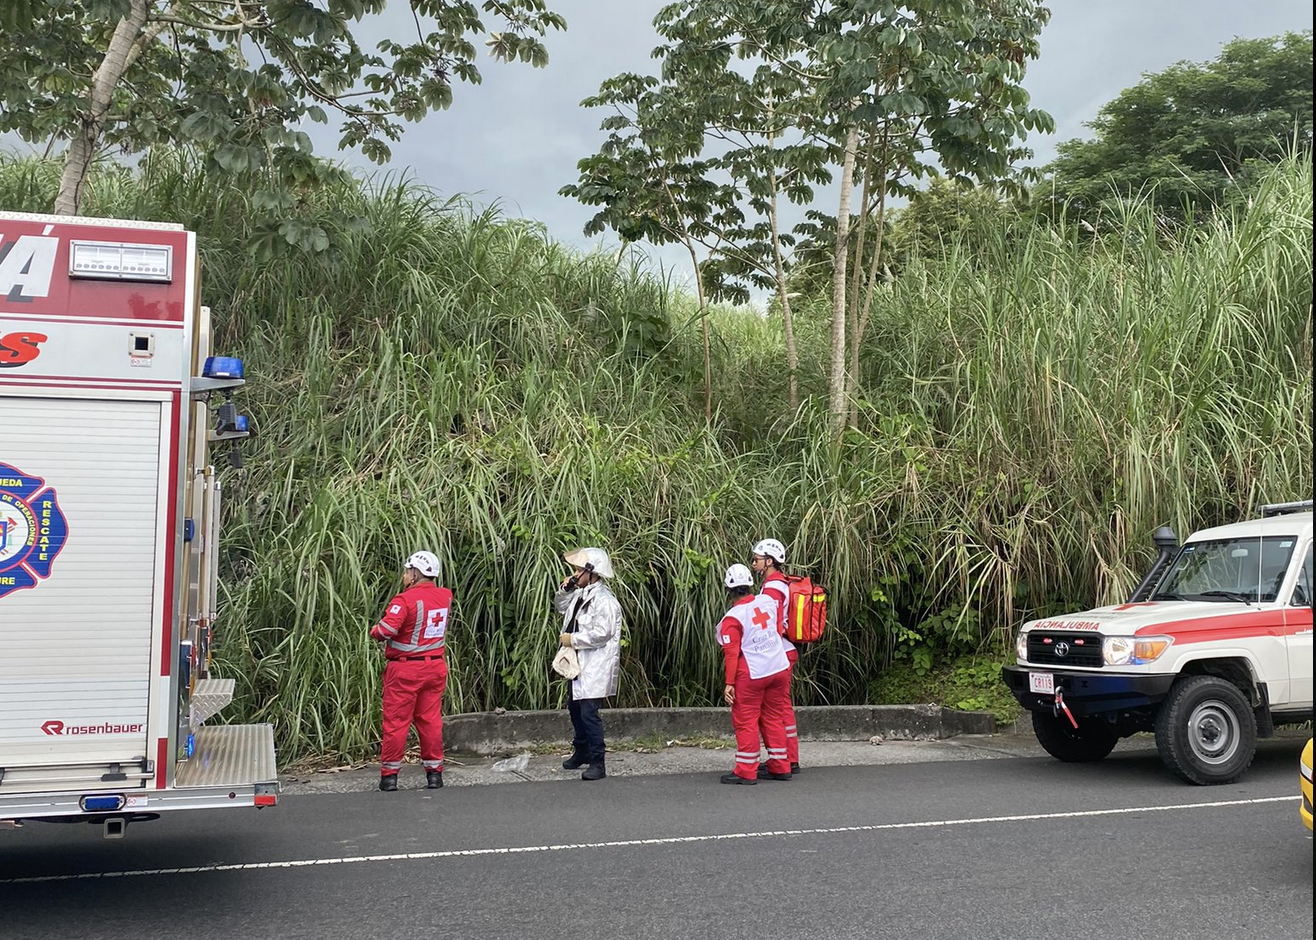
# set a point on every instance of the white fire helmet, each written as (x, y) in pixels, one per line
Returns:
(738, 576)
(772, 548)
(590, 556)
(427, 563)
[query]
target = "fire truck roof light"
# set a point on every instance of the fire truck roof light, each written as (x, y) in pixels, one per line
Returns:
(120, 261)
(222, 367)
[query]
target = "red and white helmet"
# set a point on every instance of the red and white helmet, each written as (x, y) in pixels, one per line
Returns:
(738, 576)
(772, 548)
(427, 563)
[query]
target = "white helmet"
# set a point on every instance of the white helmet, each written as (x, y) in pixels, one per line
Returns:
(738, 576)
(596, 557)
(427, 563)
(772, 548)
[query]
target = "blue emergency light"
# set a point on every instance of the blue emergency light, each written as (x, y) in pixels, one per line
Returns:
(102, 804)
(240, 423)
(222, 367)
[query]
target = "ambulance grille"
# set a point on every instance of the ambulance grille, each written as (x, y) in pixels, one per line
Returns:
(1079, 649)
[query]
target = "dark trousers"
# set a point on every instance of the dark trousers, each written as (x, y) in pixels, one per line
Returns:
(588, 726)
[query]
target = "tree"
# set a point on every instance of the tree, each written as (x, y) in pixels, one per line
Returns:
(649, 184)
(946, 213)
(237, 78)
(1192, 131)
(887, 92)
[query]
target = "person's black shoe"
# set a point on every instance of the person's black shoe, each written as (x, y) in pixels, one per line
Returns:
(433, 779)
(795, 768)
(577, 760)
(594, 772)
(765, 774)
(388, 783)
(736, 779)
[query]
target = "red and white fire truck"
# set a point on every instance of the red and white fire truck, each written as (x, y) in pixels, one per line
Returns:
(1212, 650)
(110, 402)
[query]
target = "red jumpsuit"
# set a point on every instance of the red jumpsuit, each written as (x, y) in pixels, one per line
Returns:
(776, 586)
(413, 628)
(757, 667)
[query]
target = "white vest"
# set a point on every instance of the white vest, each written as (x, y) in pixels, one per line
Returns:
(760, 643)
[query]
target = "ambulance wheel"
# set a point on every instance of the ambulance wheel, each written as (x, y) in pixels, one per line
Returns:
(1081, 745)
(1206, 731)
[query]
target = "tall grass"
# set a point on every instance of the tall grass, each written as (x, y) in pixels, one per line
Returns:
(454, 380)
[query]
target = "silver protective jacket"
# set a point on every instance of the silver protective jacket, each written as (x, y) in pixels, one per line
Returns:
(597, 639)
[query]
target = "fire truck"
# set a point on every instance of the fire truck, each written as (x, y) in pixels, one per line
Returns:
(1211, 651)
(111, 402)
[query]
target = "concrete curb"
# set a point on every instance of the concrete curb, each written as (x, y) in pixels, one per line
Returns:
(497, 732)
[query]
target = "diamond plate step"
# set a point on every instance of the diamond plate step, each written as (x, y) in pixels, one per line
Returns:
(209, 696)
(230, 756)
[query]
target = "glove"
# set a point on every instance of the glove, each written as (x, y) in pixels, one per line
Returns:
(564, 639)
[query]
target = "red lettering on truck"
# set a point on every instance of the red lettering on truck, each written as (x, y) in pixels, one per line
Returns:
(56, 727)
(18, 349)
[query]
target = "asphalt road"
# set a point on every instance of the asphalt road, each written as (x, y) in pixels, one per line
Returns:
(966, 849)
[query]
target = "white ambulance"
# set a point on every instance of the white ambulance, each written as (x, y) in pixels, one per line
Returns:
(1212, 650)
(110, 402)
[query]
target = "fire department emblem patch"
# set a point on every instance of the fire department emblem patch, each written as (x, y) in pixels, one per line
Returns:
(32, 530)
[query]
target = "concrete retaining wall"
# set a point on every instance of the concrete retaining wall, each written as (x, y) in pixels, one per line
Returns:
(498, 732)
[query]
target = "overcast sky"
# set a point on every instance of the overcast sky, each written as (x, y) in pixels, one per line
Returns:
(516, 138)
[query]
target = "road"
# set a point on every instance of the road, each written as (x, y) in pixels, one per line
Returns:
(962, 850)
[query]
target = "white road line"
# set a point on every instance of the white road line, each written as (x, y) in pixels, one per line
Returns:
(669, 840)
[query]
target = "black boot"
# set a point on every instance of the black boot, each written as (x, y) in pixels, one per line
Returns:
(795, 768)
(595, 771)
(433, 779)
(765, 774)
(578, 759)
(388, 783)
(737, 779)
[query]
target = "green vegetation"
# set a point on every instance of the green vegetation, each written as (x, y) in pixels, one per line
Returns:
(1032, 409)
(971, 684)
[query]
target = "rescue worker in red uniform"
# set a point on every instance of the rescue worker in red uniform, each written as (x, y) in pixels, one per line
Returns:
(757, 673)
(768, 557)
(412, 631)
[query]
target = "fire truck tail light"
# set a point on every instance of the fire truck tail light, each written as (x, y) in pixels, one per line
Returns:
(102, 804)
(120, 261)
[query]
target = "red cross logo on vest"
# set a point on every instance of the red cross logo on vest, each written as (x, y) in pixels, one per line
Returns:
(760, 619)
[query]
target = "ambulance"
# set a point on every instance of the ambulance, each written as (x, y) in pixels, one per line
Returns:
(111, 406)
(1211, 651)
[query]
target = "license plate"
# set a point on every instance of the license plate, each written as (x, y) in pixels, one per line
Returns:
(1043, 683)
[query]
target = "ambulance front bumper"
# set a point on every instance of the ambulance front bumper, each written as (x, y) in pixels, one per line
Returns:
(1087, 693)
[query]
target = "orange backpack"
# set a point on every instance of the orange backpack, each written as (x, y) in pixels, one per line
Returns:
(806, 610)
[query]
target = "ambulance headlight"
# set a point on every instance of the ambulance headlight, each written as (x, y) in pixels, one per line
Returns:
(222, 367)
(1133, 650)
(1021, 644)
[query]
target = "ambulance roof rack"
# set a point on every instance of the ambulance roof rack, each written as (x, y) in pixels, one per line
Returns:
(1281, 509)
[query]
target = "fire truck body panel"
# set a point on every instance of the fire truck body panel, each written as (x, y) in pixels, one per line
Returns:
(109, 514)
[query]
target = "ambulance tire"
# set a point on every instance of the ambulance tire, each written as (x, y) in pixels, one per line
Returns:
(1206, 731)
(1084, 744)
